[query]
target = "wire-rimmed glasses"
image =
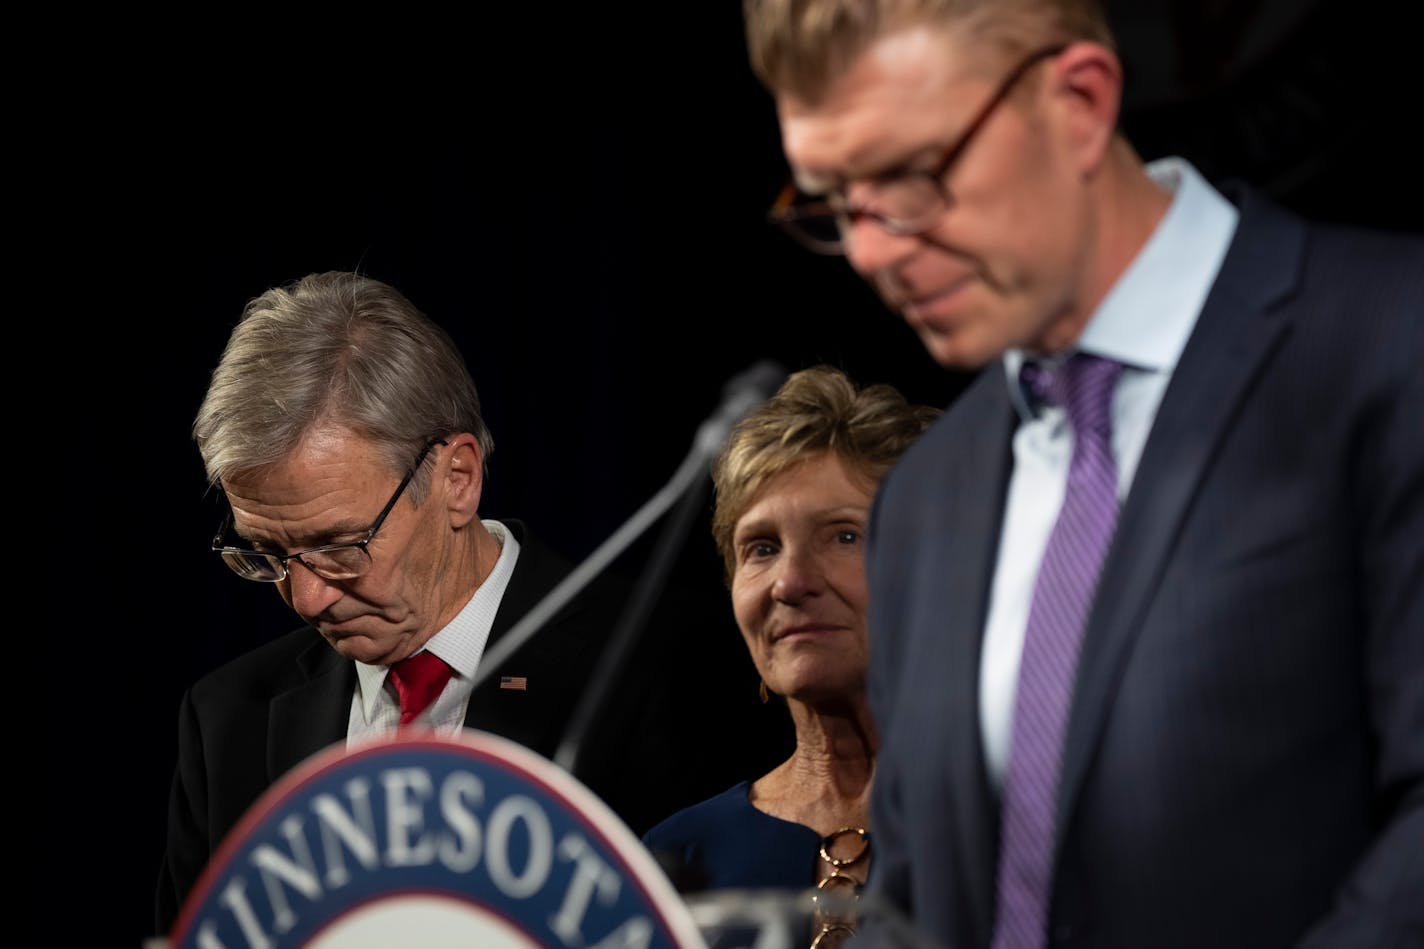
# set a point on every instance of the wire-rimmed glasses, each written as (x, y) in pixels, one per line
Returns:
(345, 561)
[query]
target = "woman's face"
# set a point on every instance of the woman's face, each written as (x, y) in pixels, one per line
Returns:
(798, 582)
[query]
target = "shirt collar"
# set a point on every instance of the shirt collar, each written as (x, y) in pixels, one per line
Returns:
(461, 642)
(1147, 316)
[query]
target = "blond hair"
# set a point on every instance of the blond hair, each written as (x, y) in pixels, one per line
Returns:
(815, 411)
(800, 47)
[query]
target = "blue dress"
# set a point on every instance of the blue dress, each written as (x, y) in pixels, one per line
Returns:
(724, 842)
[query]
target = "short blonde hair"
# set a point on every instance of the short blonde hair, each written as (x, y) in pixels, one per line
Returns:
(800, 47)
(816, 410)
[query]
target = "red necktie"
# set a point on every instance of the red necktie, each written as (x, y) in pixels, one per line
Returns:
(419, 680)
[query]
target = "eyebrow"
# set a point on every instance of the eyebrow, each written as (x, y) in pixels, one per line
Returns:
(304, 541)
(902, 165)
(841, 513)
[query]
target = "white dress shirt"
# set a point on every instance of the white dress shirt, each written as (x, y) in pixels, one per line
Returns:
(1143, 323)
(375, 710)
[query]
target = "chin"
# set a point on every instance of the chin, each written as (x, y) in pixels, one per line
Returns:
(955, 352)
(829, 696)
(353, 645)
(843, 680)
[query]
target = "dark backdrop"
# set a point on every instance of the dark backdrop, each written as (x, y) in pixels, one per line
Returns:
(578, 198)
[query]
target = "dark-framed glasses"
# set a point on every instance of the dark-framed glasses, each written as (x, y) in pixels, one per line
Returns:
(330, 561)
(904, 203)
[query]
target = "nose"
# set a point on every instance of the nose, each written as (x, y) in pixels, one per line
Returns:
(306, 592)
(871, 249)
(798, 576)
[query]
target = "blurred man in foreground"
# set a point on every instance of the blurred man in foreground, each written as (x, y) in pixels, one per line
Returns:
(1147, 604)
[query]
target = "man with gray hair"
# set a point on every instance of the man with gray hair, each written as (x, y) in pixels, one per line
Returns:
(345, 432)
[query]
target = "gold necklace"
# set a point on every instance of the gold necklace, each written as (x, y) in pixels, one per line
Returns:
(840, 889)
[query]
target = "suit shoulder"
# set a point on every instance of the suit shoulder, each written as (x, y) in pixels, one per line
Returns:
(269, 665)
(1362, 292)
(982, 403)
(1334, 261)
(1384, 264)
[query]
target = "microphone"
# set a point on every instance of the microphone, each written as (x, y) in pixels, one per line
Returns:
(742, 393)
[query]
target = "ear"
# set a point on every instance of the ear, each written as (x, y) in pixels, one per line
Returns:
(462, 468)
(1086, 82)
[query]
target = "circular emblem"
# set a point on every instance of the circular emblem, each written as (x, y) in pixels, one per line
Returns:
(429, 841)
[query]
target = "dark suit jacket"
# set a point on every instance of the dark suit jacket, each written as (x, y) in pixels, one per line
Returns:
(244, 725)
(1245, 747)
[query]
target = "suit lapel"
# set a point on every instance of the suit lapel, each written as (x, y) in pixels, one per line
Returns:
(1238, 329)
(314, 714)
(536, 572)
(975, 492)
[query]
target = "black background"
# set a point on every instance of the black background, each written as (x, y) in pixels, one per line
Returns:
(578, 197)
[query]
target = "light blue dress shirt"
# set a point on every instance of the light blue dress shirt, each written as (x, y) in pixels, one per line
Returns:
(1143, 323)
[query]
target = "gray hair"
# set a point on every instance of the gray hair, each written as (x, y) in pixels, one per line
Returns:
(334, 349)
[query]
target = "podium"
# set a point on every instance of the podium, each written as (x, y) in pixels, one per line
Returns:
(431, 841)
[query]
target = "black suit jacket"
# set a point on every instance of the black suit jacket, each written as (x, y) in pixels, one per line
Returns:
(244, 725)
(1244, 760)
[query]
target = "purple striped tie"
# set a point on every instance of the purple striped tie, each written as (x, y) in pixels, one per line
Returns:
(1062, 594)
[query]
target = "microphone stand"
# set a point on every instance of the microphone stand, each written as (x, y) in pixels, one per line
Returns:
(635, 615)
(742, 393)
(692, 468)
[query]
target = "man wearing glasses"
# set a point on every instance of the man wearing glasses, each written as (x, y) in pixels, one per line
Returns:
(345, 432)
(1147, 604)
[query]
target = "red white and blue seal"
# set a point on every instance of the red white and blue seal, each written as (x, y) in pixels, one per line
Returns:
(433, 842)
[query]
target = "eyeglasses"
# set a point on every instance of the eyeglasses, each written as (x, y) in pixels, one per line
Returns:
(906, 203)
(329, 561)
(839, 889)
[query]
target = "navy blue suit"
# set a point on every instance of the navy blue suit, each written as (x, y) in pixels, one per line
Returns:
(1245, 746)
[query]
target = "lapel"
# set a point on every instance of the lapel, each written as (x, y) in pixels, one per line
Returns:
(1240, 325)
(313, 715)
(537, 571)
(979, 459)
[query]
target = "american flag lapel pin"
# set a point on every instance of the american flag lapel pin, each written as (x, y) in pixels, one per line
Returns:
(517, 683)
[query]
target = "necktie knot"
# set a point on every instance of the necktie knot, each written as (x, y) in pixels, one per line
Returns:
(1083, 386)
(418, 681)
